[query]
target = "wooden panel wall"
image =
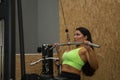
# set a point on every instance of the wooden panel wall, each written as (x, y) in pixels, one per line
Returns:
(102, 18)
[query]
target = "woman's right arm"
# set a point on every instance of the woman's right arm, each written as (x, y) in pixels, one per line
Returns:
(58, 52)
(91, 56)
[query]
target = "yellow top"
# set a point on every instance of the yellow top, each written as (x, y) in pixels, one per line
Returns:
(73, 59)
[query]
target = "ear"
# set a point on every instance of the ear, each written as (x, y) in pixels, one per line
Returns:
(85, 37)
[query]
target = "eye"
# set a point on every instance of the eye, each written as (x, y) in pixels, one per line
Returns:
(76, 34)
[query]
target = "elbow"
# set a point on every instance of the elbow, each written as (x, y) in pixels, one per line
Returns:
(96, 67)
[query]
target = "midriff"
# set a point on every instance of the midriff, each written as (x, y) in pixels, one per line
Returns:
(67, 68)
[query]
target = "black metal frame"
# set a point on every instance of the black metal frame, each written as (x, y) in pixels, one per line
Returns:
(47, 64)
(7, 13)
(21, 40)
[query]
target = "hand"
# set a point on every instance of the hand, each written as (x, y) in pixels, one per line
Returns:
(86, 44)
(57, 47)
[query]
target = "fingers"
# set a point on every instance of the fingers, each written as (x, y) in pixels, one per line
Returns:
(87, 46)
(57, 46)
(86, 42)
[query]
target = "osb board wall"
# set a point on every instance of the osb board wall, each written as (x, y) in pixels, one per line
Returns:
(29, 58)
(102, 18)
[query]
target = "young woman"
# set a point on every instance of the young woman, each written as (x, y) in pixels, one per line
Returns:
(82, 59)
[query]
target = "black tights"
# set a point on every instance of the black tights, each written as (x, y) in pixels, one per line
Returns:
(69, 76)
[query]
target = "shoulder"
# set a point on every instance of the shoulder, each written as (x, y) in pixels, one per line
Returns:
(82, 50)
(86, 50)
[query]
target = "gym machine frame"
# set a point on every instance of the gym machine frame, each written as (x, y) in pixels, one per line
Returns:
(7, 14)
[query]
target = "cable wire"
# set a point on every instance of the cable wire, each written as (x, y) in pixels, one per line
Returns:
(66, 30)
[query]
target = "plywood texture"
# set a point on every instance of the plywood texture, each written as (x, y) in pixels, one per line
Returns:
(102, 18)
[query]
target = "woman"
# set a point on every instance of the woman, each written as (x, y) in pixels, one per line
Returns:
(82, 59)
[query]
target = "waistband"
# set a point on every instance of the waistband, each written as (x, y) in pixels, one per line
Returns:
(70, 76)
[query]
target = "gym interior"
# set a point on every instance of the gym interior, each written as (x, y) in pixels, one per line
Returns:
(27, 27)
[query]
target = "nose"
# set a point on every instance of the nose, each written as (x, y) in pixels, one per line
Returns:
(75, 37)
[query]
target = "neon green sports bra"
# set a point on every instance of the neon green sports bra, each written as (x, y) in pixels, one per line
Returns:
(73, 59)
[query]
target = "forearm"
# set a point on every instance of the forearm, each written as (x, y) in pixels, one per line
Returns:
(59, 55)
(92, 59)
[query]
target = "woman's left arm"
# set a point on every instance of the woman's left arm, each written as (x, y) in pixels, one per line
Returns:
(91, 56)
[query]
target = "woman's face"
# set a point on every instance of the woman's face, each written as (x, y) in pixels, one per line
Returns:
(79, 37)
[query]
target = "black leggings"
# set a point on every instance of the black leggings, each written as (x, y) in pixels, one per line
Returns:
(70, 76)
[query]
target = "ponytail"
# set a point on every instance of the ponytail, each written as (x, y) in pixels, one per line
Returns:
(88, 70)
